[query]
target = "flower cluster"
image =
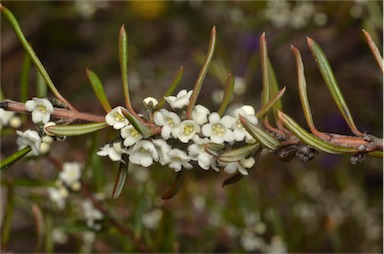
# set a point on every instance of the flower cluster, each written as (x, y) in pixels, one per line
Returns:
(181, 140)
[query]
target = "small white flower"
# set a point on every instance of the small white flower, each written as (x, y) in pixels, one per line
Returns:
(169, 121)
(91, 214)
(188, 130)
(41, 109)
(239, 86)
(151, 220)
(59, 236)
(130, 135)
(200, 114)
(218, 130)
(70, 175)
(144, 153)
(116, 118)
(162, 148)
(178, 159)
(114, 151)
(180, 100)
(150, 103)
(240, 166)
(58, 195)
(5, 117)
(197, 152)
(29, 138)
(238, 129)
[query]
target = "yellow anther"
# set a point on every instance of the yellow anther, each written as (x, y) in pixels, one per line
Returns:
(218, 129)
(239, 125)
(118, 117)
(170, 122)
(134, 133)
(42, 108)
(188, 129)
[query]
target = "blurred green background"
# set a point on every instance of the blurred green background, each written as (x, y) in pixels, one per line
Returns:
(326, 205)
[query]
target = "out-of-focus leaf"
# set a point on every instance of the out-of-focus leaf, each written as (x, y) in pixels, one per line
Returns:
(120, 179)
(24, 79)
(312, 140)
(97, 87)
(238, 176)
(213, 148)
(330, 80)
(8, 214)
(237, 154)
(176, 185)
(203, 72)
(75, 129)
(40, 227)
(228, 93)
(378, 154)
(7, 162)
(19, 33)
(273, 101)
(173, 86)
(261, 136)
(375, 51)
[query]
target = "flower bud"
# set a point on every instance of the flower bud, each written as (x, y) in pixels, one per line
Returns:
(150, 103)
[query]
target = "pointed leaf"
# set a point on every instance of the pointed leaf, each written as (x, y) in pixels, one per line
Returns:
(238, 176)
(97, 87)
(203, 72)
(74, 129)
(123, 56)
(173, 86)
(375, 51)
(237, 154)
(264, 69)
(19, 33)
(330, 80)
(120, 179)
(213, 148)
(228, 93)
(7, 162)
(274, 86)
(261, 136)
(312, 140)
(176, 185)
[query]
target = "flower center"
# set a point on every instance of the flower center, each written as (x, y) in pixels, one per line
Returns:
(42, 108)
(134, 133)
(170, 122)
(188, 129)
(218, 129)
(239, 125)
(118, 117)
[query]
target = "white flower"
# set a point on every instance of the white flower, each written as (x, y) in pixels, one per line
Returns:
(239, 131)
(70, 175)
(59, 236)
(41, 109)
(169, 121)
(91, 214)
(116, 118)
(150, 103)
(188, 130)
(130, 135)
(178, 159)
(113, 151)
(144, 153)
(151, 220)
(200, 114)
(197, 152)
(5, 117)
(240, 166)
(29, 138)
(180, 100)
(162, 148)
(218, 130)
(58, 195)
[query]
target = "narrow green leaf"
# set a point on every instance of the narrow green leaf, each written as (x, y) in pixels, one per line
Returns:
(274, 87)
(228, 93)
(377, 154)
(120, 179)
(213, 148)
(264, 69)
(41, 86)
(375, 51)
(330, 80)
(143, 129)
(175, 83)
(123, 56)
(24, 78)
(261, 136)
(302, 85)
(40, 227)
(5, 164)
(273, 101)
(8, 214)
(74, 129)
(237, 154)
(238, 176)
(97, 87)
(176, 185)
(16, 28)
(312, 140)
(203, 72)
